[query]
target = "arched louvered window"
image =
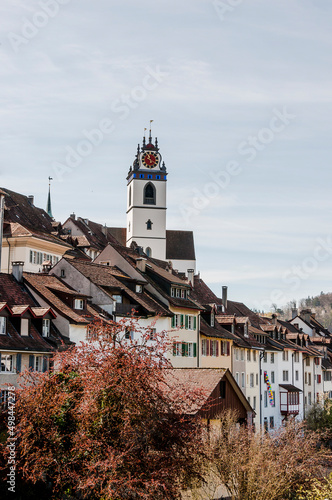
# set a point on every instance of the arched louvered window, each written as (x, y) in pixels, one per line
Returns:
(148, 252)
(149, 194)
(129, 200)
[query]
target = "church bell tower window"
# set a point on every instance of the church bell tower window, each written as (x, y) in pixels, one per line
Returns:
(149, 194)
(149, 224)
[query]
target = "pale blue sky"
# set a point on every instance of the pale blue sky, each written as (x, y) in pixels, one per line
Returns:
(213, 76)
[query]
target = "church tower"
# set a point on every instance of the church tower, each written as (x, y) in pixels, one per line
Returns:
(146, 200)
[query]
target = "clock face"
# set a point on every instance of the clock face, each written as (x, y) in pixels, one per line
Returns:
(150, 159)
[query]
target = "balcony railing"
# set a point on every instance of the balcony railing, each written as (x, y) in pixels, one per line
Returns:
(126, 308)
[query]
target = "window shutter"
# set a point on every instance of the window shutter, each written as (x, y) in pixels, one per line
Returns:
(228, 348)
(217, 350)
(182, 319)
(174, 349)
(183, 349)
(211, 350)
(195, 322)
(186, 322)
(221, 348)
(173, 322)
(31, 361)
(202, 346)
(195, 350)
(44, 363)
(18, 362)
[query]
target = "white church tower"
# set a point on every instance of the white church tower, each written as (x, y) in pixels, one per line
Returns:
(146, 201)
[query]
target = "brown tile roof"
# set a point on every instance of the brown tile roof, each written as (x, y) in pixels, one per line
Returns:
(15, 342)
(225, 319)
(13, 292)
(108, 277)
(45, 286)
(180, 245)
(94, 234)
(216, 331)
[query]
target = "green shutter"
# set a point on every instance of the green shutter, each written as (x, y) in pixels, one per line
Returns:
(173, 322)
(184, 349)
(186, 322)
(182, 320)
(18, 362)
(195, 350)
(195, 322)
(174, 349)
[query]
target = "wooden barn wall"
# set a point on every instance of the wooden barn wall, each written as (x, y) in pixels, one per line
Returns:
(215, 405)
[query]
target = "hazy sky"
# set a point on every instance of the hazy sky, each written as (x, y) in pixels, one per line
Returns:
(240, 94)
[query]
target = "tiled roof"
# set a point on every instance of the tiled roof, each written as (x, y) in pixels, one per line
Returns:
(180, 245)
(216, 331)
(93, 234)
(32, 342)
(108, 277)
(13, 292)
(46, 286)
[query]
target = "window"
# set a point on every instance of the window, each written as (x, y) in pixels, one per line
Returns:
(254, 355)
(265, 399)
(319, 379)
(190, 322)
(248, 355)
(117, 299)
(285, 355)
(251, 379)
(307, 361)
(149, 194)
(274, 398)
(129, 198)
(309, 398)
(272, 377)
(78, 304)
(305, 378)
(25, 326)
(178, 321)
(172, 292)
(4, 398)
(178, 292)
(139, 288)
(7, 363)
(265, 357)
(285, 375)
(177, 349)
(38, 363)
(149, 224)
(187, 349)
(191, 352)
(256, 378)
(62, 273)
(242, 380)
(129, 334)
(327, 376)
(152, 334)
(237, 378)
(183, 294)
(46, 327)
(242, 354)
(296, 375)
(214, 348)
(148, 251)
(309, 378)
(205, 347)
(224, 348)
(317, 361)
(254, 403)
(297, 357)
(272, 357)
(212, 319)
(236, 354)
(3, 326)
(271, 422)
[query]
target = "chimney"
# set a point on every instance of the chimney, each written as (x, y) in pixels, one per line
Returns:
(140, 264)
(2, 205)
(294, 312)
(274, 319)
(169, 267)
(305, 314)
(17, 270)
(190, 273)
(224, 297)
(31, 199)
(47, 266)
(73, 216)
(104, 230)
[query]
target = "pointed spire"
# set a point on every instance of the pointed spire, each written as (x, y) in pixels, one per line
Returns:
(49, 206)
(150, 135)
(156, 143)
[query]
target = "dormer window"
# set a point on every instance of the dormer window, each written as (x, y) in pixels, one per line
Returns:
(25, 326)
(46, 327)
(3, 326)
(79, 304)
(139, 288)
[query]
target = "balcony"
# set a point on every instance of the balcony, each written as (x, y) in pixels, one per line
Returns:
(289, 399)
